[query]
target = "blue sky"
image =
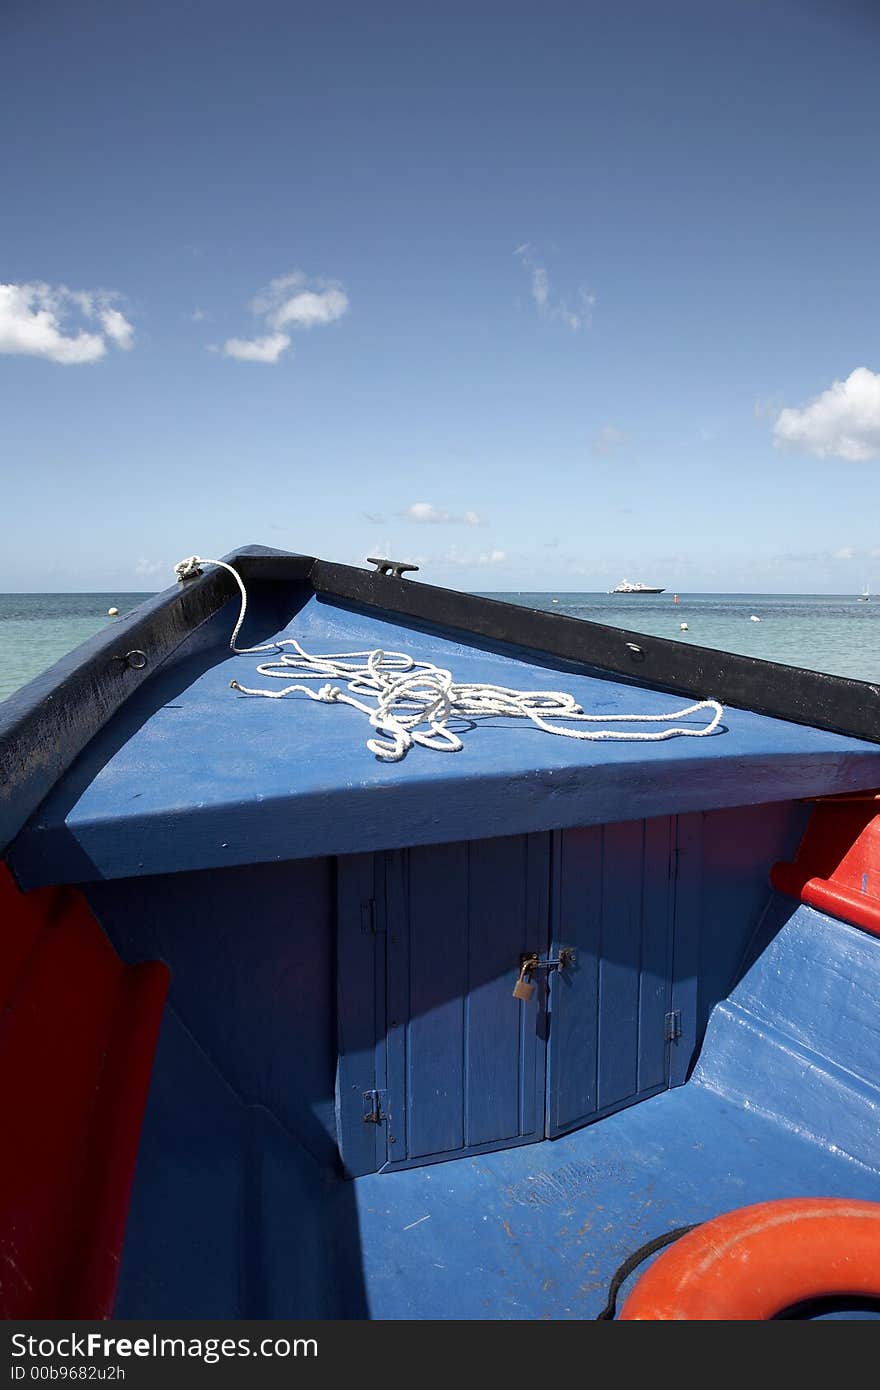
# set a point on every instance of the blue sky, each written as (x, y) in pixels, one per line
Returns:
(540, 296)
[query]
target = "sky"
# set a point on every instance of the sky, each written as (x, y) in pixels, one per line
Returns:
(537, 296)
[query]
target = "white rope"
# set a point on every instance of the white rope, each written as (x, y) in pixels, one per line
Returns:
(191, 567)
(409, 694)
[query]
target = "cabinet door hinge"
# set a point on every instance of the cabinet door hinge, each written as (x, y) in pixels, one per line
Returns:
(672, 1025)
(371, 923)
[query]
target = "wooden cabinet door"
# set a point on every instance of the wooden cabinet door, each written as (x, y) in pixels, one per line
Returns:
(465, 1059)
(612, 906)
(428, 1021)
(437, 1058)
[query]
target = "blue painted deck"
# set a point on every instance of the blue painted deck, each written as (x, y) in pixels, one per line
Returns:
(538, 1233)
(232, 1217)
(785, 1102)
(288, 779)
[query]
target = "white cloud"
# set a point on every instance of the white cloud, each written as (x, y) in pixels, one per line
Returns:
(609, 440)
(267, 349)
(381, 549)
(287, 302)
(843, 422)
(34, 323)
(309, 308)
(118, 328)
(324, 302)
(264, 301)
(426, 512)
(198, 315)
(462, 559)
(809, 561)
(144, 567)
(548, 306)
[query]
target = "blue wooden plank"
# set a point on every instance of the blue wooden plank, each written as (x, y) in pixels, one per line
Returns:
(721, 862)
(252, 959)
(438, 962)
(360, 1016)
(576, 923)
(797, 1038)
(738, 848)
(688, 922)
(395, 876)
(534, 1025)
(501, 1032)
(620, 959)
(656, 954)
(465, 1059)
(492, 1016)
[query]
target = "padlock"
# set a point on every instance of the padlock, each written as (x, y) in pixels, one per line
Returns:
(523, 989)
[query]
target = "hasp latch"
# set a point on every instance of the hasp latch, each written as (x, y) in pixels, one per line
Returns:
(529, 963)
(375, 1107)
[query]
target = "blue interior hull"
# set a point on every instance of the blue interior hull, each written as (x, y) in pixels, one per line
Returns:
(350, 1116)
(234, 1217)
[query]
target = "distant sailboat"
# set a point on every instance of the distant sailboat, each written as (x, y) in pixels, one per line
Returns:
(865, 595)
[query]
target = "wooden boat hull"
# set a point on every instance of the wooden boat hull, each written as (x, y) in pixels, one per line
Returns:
(349, 1113)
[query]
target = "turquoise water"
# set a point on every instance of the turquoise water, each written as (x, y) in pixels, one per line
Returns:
(37, 629)
(827, 632)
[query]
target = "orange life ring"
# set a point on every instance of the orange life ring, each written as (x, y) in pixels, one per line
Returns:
(754, 1262)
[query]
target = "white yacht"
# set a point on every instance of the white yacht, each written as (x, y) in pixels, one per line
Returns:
(624, 587)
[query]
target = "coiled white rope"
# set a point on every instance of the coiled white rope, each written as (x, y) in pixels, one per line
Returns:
(409, 694)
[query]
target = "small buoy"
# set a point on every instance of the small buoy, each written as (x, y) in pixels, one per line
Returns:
(112, 612)
(683, 626)
(754, 618)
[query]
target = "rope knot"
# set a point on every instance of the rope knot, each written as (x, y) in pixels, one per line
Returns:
(190, 568)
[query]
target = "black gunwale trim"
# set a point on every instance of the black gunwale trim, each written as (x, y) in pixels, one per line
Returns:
(45, 725)
(837, 703)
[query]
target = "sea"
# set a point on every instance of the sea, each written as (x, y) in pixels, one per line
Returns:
(825, 632)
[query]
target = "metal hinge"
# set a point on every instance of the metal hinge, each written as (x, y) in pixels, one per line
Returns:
(371, 924)
(672, 1026)
(375, 1112)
